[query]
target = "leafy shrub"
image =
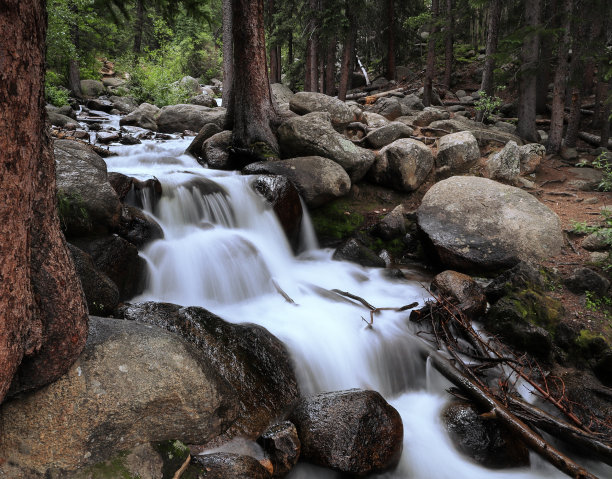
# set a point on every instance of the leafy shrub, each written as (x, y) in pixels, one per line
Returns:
(55, 94)
(488, 105)
(603, 230)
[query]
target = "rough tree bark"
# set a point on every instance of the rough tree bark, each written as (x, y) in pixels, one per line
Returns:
(312, 47)
(227, 98)
(492, 35)
(431, 55)
(347, 54)
(543, 78)
(275, 60)
(448, 42)
(555, 135)
(74, 75)
(390, 40)
(43, 320)
(526, 127)
(253, 111)
(330, 67)
(138, 26)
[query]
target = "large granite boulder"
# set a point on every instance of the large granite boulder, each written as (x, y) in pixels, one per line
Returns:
(403, 165)
(63, 121)
(195, 147)
(388, 134)
(389, 107)
(281, 93)
(485, 135)
(91, 88)
(304, 102)
(215, 151)
(125, 104)
(318, 179)
(134, 383)
(313, 135)
(431, 114)
(254, 362)
(457, 151)
(505, 165)
(369, 440)
(479, 224)
(178, 118)
(203, 99)
(87, 202)
(144, 117)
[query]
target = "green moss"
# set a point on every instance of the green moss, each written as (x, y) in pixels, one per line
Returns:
(173, 454)
(114, 468)
(264, 151)
(590, 344)
(332, 223)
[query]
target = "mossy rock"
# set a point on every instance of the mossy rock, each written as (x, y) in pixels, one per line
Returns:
(333, 222)
(526, 319)
(591, 345)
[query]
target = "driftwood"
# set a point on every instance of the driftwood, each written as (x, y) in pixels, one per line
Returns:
(282, 292)
(592, 139)
(373, 309)
(183, 468)
(485, 399)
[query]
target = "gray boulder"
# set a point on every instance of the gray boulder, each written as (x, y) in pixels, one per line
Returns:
(144, 117)
(313, 135)
(85, 194)
(223, 465)
(461, 290)
(410, 103)
(215, 151)
(63, 121)
(133, 383)
(389, 107)
(282, 94)
(459, 151)
(181, 117)
(392, 226)
(319, 180)
(369, 440)
(431, 114)
(530, 157)
(479, 224)
(388, 134)
(203, 100)
(484, 134)
(191, 84)
(125, 104)
(355, 251)
(195, 147)
(113, 82)
(374, 120)
(403, 165)
(340, 113)
(137, 227)
(92, 88)
(585, 279)
(101, 293)
(252, 361)
(505, 165)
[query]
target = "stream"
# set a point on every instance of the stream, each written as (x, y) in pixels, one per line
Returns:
(225, 250)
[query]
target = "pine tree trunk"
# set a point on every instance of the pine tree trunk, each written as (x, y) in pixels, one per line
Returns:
(139, 26)
(573, 124)
(605, 125)
(526, 127)
(330, 68)
(347, 55)
(227, 97)
(486, 84)
(555, 134)
(253, 110)
(431, 56)
(275, 73)
(390, 40)
(74, 74)
(43, 324)
(544, 69)
(448, 54)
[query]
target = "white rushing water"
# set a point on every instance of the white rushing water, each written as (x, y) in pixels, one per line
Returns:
(225, 251)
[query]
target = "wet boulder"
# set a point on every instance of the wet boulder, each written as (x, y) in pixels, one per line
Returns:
(355, 251)
(388, 134)
(112, 400)
(223, 465)
(215, 151)
(480, 225)
(369, 441)
(281, 446)
(484, 440)
(457, 151)
(144, 117)
(284, 199)
(318, 180)
(119, 260)
(63, 121)
(101, 293)
(304, 102)
(313, 135)
(403, 165)
(195, 147)
(100, 104)
(254, 362)
(462, 291)
(181, 117)
(87, 202)
(138, 227)
(392, 226)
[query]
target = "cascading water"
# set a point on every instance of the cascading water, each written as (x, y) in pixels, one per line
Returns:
(224, 250)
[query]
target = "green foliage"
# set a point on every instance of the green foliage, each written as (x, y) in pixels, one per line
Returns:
(461, 53)
(71, 210)
(54, 92)
(488, 105)
(604, 163)
(595, 303)
(603, 231)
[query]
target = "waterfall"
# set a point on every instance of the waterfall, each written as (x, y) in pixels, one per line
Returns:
(225, 250)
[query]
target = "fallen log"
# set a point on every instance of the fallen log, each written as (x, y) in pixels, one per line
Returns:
(531, 439)
(592, 139)
(569, 433)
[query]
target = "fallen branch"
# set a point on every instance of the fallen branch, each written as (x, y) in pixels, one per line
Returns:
(183, 468)
(592, 139)
(531, 439)
(282, 292)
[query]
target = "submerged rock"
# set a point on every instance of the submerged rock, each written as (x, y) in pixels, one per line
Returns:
(369, 441)
(281, 446)
(355, 251)
(224, 465)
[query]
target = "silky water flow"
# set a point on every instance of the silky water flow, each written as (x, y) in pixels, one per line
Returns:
(224, 250)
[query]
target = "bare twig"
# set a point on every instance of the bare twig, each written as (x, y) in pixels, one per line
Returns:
(183, 468)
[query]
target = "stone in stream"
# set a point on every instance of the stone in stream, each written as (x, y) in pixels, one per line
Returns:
(355, 251)
(224, 465)
(178, 118)
(144, 117)
(462, 290)
(195, 147)
(281, 445)
(369, 441)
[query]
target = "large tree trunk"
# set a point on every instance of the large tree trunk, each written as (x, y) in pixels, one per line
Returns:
(330, 68)
(347, 55)
(431, 55)
(555, 135)
(227, 98)
(492, 35)
(312, 48)
(43, 324)
(253, 110)
(448, 50)
(390, 40)
(138, 26)
(546, 53)
(275, 72)
(74, 74)
(526, 127)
